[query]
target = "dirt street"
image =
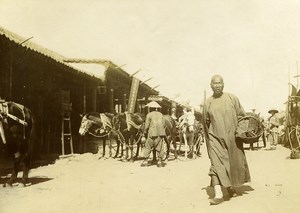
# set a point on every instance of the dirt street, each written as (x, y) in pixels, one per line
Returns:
(86, 184)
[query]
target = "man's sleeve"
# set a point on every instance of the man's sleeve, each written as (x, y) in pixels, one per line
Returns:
(239, 109)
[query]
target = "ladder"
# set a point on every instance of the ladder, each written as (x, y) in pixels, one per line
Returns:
(66, 133)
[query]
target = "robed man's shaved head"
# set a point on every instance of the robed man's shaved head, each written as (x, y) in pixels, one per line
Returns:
(217, 85)
(216, 77)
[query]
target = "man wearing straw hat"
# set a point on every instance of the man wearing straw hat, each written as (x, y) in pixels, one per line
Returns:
(273, 125)
(154, 128)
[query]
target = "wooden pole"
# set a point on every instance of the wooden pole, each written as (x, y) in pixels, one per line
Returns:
(83, 139)
(124, 102)
(10, 76)
(205, 127)
(94, 99)
(111, 101)
(297, 75)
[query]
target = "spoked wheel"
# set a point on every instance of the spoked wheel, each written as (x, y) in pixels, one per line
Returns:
(294, 140)
(198, 143)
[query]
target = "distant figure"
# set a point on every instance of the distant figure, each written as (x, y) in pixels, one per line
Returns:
(263, 135)
(273, 124)
(174, 116)
(187, 130)
(229, 166)
(155, 131)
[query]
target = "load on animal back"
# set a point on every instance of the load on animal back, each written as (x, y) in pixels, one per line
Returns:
(17, 134)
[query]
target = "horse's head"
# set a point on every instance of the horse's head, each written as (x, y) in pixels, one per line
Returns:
(189, 123)
(88, 121)
(85, 125)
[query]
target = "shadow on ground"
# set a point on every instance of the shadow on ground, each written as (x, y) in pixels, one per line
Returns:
(31, 180)
(242, 190)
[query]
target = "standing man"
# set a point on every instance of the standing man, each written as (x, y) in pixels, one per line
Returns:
(263, 136)
(155, 130)
(229, 166)
(273, 125)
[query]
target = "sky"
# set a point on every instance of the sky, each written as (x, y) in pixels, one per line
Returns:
(254, 45)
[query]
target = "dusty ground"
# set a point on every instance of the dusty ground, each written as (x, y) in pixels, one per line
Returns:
(86, 184)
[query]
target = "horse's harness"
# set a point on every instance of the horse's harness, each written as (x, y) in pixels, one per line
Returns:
(4, 113)
(115, 130)
(129, 123)
(105, 124)
(185, 127)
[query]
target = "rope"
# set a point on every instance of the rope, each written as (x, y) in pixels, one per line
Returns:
(4, 107)
(130, 122)
(99, 136)
(105, 120)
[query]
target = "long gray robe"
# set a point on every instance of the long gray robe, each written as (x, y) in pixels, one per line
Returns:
(228, 161)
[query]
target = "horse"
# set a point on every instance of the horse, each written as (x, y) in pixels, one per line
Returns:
(98, 125)
(186, 130)
(171, 132)
(127, 128)
(16, 125)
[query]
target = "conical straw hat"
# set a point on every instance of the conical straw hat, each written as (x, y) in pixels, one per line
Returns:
(153, 104)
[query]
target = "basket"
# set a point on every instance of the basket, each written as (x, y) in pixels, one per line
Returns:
(249, 129)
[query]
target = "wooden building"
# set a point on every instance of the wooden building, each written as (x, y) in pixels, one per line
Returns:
(48, 84)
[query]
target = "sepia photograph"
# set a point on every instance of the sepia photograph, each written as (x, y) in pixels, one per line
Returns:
(158, 106)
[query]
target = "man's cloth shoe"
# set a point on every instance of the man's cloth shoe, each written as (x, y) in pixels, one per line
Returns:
(231, 192)
(216, 201)
(190, 156)
(160, 164)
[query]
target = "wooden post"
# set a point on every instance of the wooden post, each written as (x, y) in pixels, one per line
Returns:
(111, 101)
(82, 142)
(10, 76)
(124, 102)
(62, 136)
(41, 106)
(94, 99)
(146, 111)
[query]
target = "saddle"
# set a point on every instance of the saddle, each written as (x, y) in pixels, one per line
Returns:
(105, 121)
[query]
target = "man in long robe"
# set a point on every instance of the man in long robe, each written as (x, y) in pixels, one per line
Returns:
(229, 166)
